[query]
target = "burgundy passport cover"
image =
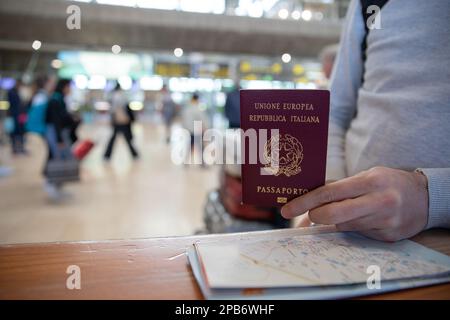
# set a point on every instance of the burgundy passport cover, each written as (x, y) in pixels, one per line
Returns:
(301, 117)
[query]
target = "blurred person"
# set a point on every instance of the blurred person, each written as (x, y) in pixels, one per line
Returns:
(388, 146)
(122, 118)
(168, 109)
(195, 111)
(18, 113)
(43, 86)
(59, 125)
(232, 107)
(327, 57)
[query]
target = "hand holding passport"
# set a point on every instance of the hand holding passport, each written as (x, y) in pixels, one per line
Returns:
(288, 160)
(284, 144)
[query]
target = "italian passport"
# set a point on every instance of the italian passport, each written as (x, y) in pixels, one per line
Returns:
(283, 144)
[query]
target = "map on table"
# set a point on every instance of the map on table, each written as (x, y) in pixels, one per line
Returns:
(314, 260)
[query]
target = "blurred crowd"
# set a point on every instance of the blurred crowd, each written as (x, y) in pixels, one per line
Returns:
(45, 112)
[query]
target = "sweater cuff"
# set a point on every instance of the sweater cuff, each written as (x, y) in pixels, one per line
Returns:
(438, 197)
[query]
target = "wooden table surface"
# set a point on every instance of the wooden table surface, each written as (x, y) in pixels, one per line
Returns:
(153, 268)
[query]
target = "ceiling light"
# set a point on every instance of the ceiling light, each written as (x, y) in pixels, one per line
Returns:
(306, 15)
(296, 15)
(178, 52)
(283, 14)
(36, 45)
(286, 57)
(116, 49)
(56, 63)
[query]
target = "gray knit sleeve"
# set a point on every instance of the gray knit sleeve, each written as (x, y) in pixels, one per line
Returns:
(439, 197)
(344, 85)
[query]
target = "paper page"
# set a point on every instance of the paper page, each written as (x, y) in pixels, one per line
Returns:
(314, 260)
(320, 292)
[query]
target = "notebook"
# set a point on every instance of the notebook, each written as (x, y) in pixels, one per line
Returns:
(311, 263)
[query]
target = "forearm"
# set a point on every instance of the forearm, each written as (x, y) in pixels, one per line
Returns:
(344, 85)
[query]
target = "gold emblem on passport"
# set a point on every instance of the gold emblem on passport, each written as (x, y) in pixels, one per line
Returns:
(282, 200)
(283, 154)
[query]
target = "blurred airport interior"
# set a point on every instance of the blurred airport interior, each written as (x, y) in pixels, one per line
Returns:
(162, 59)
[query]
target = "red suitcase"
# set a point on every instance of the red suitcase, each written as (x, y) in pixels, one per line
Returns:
(82, 148)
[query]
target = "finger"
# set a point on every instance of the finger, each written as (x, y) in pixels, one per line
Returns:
(389, 235)
(336, 191)
(304, 221)
(345, 210)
